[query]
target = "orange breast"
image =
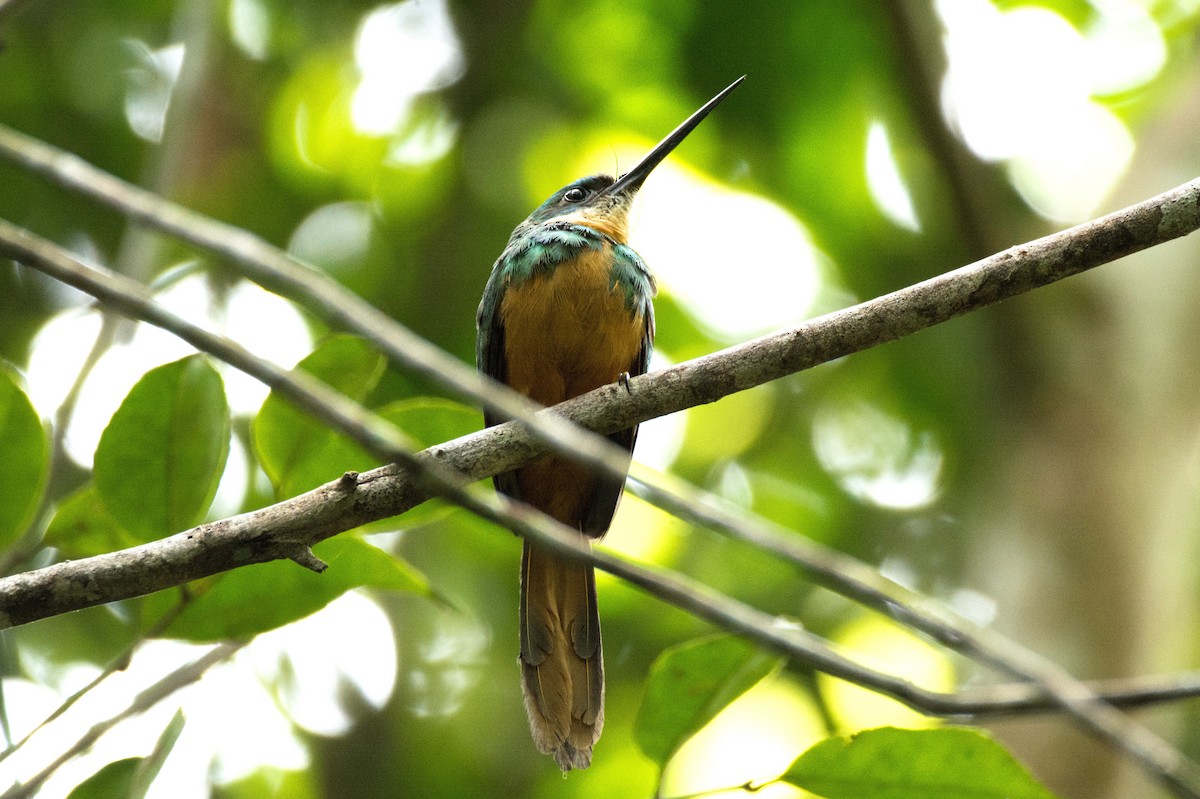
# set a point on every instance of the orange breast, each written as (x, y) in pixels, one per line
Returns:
(565, 334)
(569, 332)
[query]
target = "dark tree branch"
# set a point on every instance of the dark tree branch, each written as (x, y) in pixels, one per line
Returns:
(1005, 275)
(278, 271)
(607, 409)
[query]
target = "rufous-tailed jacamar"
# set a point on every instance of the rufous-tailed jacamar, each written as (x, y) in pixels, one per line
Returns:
(568, 309)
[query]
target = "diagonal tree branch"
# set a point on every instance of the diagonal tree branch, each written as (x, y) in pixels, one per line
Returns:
(1153, 222)
(280, 530)
(1061, 261)
(706, 379)
(278, 271)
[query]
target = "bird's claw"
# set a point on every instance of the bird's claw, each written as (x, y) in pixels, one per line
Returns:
(623, 381)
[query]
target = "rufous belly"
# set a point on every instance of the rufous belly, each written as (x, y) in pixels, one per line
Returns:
(565, 334)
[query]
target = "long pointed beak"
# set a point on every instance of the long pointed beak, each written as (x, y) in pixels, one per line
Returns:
(632, 180)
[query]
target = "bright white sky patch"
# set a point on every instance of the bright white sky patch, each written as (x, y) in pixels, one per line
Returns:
(740, 263)
(877, 457)
(755, 739)
(250, 27)
(151, 82)
(334, 237)
(1125, 47)
(269, 326)
(402, 50)
(885, 182)
(424, 142)
(1073, 168)
(266, 323)
(349, 644)
(1021, 87)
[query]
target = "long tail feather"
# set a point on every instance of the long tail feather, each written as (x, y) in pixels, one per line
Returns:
(562, 669)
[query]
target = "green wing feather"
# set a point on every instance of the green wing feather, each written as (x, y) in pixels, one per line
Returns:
(635, 279)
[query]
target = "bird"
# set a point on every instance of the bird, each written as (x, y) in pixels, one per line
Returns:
(568, 307)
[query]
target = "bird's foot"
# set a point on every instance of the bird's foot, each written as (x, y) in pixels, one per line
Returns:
(623, 381)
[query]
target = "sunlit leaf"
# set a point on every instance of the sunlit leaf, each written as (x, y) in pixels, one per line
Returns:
(298, 452)
(82, 526)
(272, 783)
(262, 597)
(131, 778)
(112, 780)
(689, 685)
(23, 467)
(890, 763)
(162, 454)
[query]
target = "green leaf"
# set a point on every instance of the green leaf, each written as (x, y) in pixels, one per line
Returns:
(82, 527)
(151, 765)
(131, 778)
(300, 453)
(112, 780)
(271, 783)
(264, 596)
(429, 421)
(689, 685)
(26, 458)
(162, 454)
(889, 763)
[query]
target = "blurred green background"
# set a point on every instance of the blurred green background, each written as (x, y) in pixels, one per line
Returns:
(1034, 465)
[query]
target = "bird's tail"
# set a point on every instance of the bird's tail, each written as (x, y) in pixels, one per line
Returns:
(562, 672)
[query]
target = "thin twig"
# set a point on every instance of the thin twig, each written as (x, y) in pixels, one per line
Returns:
(1023, 698)
(180, 678)
(278, 271)
(119, 663)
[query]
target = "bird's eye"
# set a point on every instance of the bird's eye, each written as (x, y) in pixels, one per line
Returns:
(574, 195)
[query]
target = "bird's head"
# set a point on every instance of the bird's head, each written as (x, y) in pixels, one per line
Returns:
(602, 202)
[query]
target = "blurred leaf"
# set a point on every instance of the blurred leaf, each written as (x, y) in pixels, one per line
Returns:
(689, 685)
(890, 763)
(150, 766)
(25, 462)
(162, 454)
(112, 780)
(300, 453)
(261, 597)
(82, 526)
(270, 783)
(725, 429)
(131, 778)
(429, 420)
